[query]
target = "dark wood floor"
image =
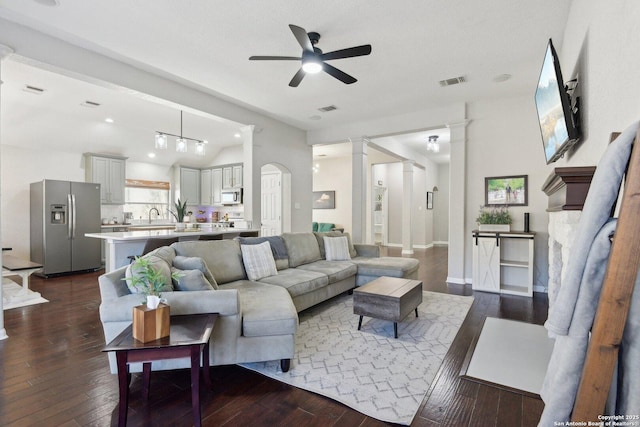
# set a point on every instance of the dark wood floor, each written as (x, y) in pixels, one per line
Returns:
(52, 372)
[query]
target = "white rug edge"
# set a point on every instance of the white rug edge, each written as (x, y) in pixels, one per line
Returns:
(10, 288)
(277, 375)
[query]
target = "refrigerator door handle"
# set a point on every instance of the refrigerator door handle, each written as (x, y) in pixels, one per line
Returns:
(69, 224)
(73, 216)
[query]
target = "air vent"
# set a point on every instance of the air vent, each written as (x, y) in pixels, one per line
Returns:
(328, 108)
(90, 104)
(452, 81)
(33, 89)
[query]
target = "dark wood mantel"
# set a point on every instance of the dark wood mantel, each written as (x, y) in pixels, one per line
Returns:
(567, 188)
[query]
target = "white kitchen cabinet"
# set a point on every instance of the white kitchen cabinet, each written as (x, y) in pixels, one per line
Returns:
(190, 185)
(206, 187)
(503, 262)
(216, 186)
(110, 173)
(232, 176)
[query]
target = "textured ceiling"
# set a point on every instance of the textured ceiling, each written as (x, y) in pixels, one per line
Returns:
(416, 43)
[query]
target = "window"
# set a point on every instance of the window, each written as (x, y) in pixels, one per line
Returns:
(141, 196)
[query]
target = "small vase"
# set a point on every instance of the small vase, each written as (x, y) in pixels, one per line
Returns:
(180, 226)
(153, 301)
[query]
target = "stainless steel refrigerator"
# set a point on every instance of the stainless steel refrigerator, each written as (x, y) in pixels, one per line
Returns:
(61, 213)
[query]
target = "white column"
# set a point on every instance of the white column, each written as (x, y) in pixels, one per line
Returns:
(407, 203)
(250, 169)
(5, 51)
(359, 182)
(457, 232)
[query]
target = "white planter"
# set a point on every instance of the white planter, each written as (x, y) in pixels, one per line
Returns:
(181, 226)
(494, 227)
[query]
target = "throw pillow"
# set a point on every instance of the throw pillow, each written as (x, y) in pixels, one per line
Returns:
(190, 280)
(195, 263)
(158, 264)
(336, 248)
(258, 261)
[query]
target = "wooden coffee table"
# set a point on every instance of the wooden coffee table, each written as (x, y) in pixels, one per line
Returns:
(387, 298)
(189, 337)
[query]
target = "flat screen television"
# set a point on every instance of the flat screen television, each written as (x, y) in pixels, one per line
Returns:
(558, 123)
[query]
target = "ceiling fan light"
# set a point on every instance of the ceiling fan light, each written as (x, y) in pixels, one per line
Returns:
(312, 65)
(181, 145)
(161, 141)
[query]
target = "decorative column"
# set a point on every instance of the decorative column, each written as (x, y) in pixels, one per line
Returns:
(407, 203)
(5, 51)
(457, 233)
(359, 160)
(249, 170)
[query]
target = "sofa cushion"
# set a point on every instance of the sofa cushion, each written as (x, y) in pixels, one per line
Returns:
(190, 280)
(336, 248)
(335, 270)
(223, 257)
(386, 266)
(266, 309)
(320, 240)
(258, 260)
(195, 263)
(157, 264)
(298, 281)
(278, 248)
(302, 248)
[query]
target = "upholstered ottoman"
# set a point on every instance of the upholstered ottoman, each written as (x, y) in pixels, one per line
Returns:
(371, 268)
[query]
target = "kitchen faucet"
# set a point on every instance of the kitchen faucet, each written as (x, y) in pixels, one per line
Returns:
(157, 213)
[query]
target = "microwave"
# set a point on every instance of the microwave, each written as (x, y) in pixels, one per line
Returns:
(232, 196)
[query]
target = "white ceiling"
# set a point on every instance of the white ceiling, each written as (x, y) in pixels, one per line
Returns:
(415, 44)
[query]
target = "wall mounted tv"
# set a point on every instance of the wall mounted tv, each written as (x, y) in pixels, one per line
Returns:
(558, 121)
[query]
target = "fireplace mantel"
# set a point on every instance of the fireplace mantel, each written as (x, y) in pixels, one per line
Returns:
(567, 188)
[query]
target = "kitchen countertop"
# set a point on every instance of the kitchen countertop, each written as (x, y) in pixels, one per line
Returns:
(146, 234)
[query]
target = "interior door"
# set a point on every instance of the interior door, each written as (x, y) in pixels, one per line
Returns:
(271, 200)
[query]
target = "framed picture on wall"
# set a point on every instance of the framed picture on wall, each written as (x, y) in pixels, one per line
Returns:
(324, 200)
(506, 190)
(429, 199)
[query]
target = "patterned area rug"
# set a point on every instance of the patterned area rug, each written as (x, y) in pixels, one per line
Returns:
(369, 370)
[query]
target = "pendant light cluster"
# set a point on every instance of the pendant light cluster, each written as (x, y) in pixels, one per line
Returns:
(181, 141)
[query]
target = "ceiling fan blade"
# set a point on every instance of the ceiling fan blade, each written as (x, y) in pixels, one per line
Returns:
(295, 81)
(340, 75)
(347, 53)
(302, 37)
(274, 58)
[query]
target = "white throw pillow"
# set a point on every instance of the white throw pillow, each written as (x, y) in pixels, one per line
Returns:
(258, 261)
(336, 248)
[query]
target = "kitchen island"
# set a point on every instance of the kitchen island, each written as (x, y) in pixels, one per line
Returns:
(122, 244)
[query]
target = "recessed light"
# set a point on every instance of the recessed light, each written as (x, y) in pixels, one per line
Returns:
(151, 155)
(108, 120)
(237, 135)
(501, 78)
(48, 2)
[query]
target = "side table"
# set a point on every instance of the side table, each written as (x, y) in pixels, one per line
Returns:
(189, 337)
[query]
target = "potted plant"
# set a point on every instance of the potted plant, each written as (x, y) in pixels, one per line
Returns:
(148, 280)
(495, 219)
(179, 214)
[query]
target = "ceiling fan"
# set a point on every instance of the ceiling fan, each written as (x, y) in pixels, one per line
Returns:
(313, 60)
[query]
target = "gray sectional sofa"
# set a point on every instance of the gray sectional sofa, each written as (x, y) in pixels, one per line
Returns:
(258, 318)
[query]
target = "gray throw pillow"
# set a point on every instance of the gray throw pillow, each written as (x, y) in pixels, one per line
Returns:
(195, 263)
(190, 280)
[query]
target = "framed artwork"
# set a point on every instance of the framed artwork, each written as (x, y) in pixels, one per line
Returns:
(429, 199)
(506, 190)
(324, 200)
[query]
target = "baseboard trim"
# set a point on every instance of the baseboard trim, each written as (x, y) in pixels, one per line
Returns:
(399, 245)
(455, 280)
(441, 243)
(407, 252)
